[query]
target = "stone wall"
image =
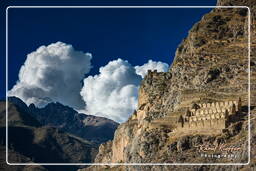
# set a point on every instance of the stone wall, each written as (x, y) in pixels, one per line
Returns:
(207, 118)
(213, 126)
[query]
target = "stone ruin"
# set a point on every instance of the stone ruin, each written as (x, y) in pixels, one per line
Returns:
(207, 118)
(155, 75)
(151, 72)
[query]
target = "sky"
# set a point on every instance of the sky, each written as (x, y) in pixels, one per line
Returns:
(108, 50)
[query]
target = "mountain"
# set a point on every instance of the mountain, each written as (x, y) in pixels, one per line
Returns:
(17, 157)
(92, 128)
(46, 136)
(16, 115)
(210, 70)
(30, 141)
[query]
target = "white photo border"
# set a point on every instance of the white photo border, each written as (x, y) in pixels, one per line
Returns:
(134, 164)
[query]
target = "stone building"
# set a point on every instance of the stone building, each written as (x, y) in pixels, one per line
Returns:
(207, 118)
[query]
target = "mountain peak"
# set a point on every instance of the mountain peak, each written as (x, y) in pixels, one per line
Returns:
(17, 101)
(210, 67)
(94, 128)
(248, 3)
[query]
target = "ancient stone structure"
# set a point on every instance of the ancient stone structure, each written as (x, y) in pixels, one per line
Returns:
(207, 118)
(150, 71)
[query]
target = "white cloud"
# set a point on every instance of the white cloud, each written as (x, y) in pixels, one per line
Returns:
(53, 72)
(114, 92)
(151, 65)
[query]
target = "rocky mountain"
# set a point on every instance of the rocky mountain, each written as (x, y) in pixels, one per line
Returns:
(30, 141)
(210, 66)
(49, 136)
(65, 118)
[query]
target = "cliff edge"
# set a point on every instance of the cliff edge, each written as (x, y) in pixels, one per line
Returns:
(210, 67)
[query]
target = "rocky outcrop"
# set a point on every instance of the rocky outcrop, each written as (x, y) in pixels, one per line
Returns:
(210, 65)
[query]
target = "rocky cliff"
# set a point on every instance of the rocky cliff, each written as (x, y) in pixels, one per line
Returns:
(210, 65)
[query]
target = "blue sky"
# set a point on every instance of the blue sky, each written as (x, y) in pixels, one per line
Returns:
(132, 34)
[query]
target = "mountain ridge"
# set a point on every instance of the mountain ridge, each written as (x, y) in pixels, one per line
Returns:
(35, 141)
(93, 128)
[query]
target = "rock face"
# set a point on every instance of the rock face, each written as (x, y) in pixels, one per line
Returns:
(210, 65)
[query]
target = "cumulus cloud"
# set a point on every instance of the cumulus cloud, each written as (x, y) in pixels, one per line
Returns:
(53, 73)
(151, 65)
(113, 93)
